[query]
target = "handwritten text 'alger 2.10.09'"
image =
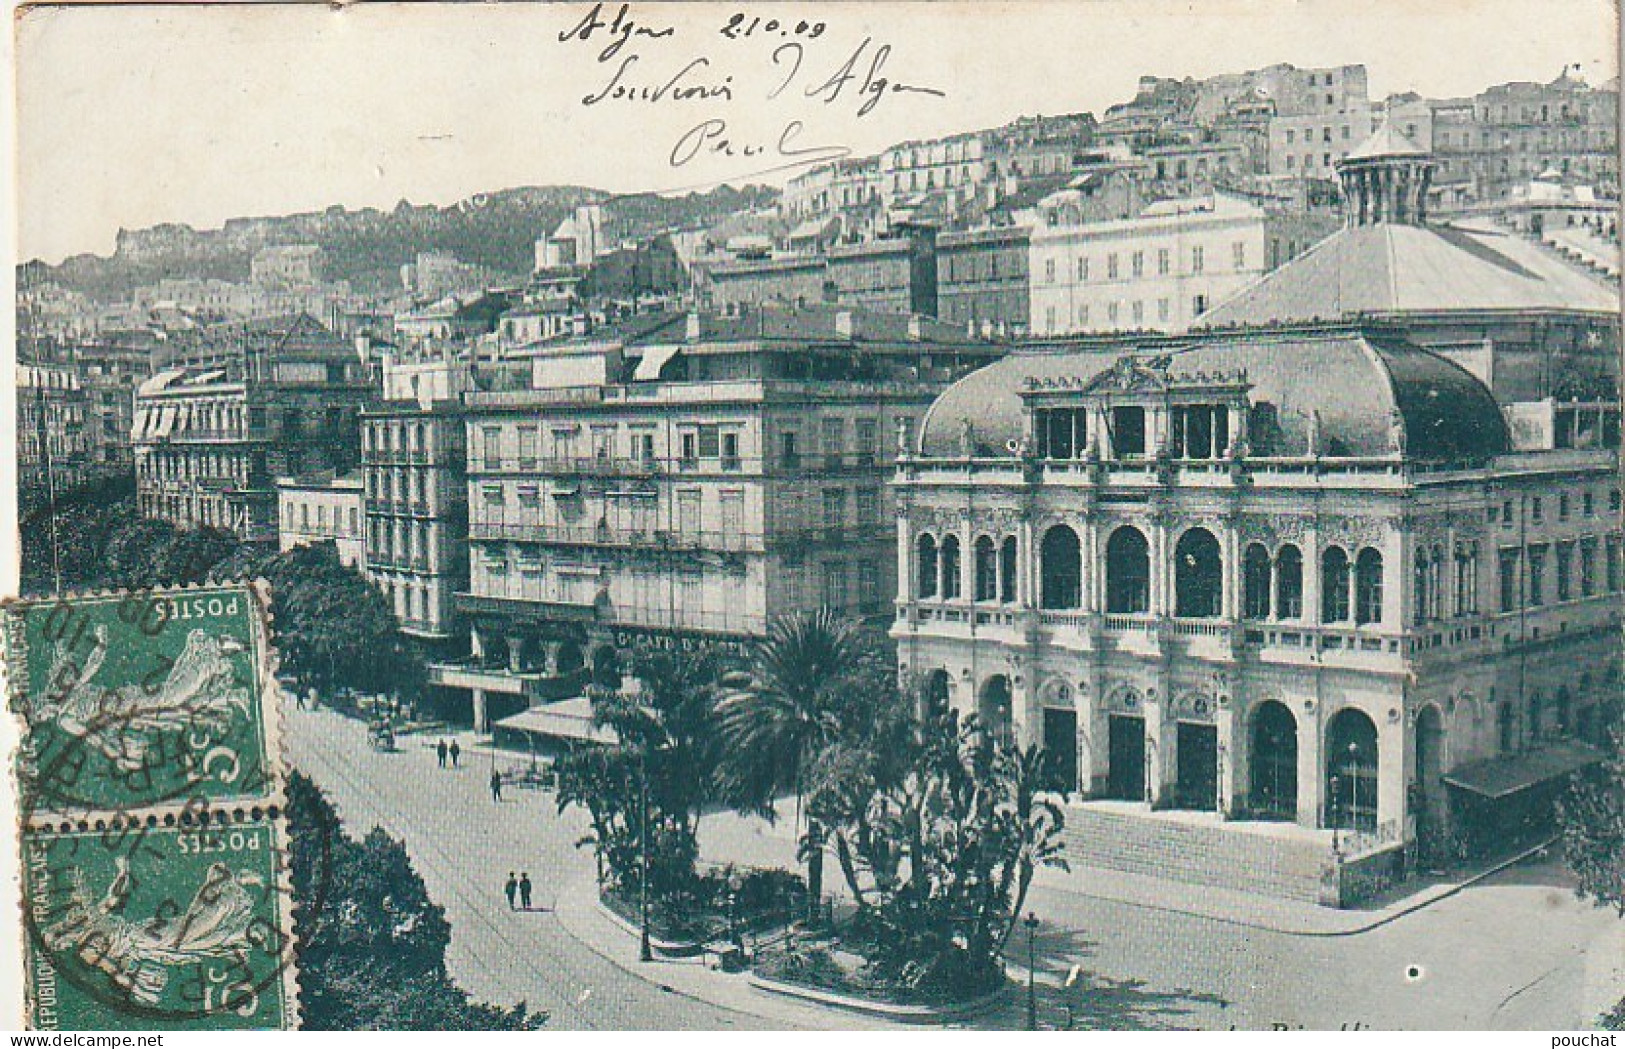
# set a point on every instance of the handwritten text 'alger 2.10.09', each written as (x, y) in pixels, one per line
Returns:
(746, 60)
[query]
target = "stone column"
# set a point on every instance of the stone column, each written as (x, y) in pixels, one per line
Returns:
(1230, 541)
(1157, 755)
(1392, 757)
(1232, 758)
(967, 558)
(1160, 605)
(1026, 564)
(514, 644)
(1311, 767)
(1093, 570)
(482, 723)
(906, 581)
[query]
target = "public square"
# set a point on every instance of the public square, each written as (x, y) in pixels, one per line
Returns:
(1514, 951)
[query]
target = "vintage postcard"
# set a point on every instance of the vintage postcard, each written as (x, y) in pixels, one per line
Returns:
(816, 516)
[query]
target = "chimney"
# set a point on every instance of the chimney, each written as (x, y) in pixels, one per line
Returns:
(692, 331)
(843, 324)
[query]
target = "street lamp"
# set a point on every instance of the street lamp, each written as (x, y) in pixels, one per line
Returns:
(645, 952)
(1031, 922)
(1354, 786)
(1337, 822)
(735, 933)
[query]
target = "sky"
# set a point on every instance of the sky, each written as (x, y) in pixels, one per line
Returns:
(132, 116)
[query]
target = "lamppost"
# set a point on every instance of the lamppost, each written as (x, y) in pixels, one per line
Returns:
(1354, 785)
(735, 933)
(1336, 821)
(645, 952)
(1031, 922)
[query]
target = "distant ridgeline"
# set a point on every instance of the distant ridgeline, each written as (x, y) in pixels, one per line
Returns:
(367, 247)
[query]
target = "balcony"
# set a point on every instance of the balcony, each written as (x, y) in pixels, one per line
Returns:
(554, 466)
(624, 538)
(525, 610)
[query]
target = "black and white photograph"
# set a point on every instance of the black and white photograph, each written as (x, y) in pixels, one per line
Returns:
(905, 516)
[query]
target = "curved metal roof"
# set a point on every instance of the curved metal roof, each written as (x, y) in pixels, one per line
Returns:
(1353, 381)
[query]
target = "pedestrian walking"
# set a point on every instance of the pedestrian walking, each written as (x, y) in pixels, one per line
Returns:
(299, 699)
(496, 785)
(511, 888)
(440, 752)
(455, 752)
(524, 891)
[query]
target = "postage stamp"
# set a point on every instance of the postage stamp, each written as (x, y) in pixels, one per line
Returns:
(137, 699)
(160, 923)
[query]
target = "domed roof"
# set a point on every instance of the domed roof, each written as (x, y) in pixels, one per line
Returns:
(1385, 142)
(1351, 381)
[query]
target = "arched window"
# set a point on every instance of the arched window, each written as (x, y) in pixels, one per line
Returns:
(987, 570)
(1368, 587)
(1351, 771)
(1255, 602)
(1424, 605)
(1128, 572)
(1061, 569)
(1334, 585)
(1289, 583)
(1198, 576)
(950, 566)
(1007, 570)
(926, 565)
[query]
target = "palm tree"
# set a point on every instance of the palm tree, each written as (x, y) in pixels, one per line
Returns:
(792, 709)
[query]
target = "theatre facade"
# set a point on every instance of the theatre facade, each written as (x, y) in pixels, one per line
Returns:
(1302, 576)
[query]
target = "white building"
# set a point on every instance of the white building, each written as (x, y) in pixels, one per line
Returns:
(1155, 271)
(325, 511)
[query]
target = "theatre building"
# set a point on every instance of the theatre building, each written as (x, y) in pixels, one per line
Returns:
(1285, 605)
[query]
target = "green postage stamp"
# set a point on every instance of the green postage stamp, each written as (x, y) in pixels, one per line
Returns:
(156, 892)
(138, 699)
(177, 923)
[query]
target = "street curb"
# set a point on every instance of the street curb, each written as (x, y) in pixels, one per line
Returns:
(665, 948)
(920, 1015)
(1423, 900)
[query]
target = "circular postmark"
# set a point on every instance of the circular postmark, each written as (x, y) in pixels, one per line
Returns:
(184, 919)
(143, 698)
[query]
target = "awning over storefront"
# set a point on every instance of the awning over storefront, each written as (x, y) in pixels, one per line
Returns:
(1502, 777)
(569, 719)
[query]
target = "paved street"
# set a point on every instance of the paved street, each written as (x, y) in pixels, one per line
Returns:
(1514, 952)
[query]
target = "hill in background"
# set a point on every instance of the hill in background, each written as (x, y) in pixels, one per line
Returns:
(367, 247)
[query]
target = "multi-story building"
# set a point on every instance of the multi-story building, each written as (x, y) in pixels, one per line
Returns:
(897, 274)
(1300, 574)
(1512, 132)
(982, 279)
(1527, 321)
(209, 439)
(321, 510)
(1156, 271)
(414, 471)
(1320, 116)
(681, 478)
(53, 442)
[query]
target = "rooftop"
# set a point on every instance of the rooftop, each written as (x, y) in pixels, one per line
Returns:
(1394, 268)
(1347, 381)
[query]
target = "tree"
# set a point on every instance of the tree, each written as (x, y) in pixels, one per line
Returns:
(1591, 822)
(939, 836)
(799, 702)
(664, 760)
(333, 627)
(371, 943)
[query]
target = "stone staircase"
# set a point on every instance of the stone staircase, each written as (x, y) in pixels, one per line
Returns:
(1209, 855)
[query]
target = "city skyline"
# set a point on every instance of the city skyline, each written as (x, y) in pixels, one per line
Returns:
(276, 143)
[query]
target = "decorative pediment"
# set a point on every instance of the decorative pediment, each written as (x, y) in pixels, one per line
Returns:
(1133, 375)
